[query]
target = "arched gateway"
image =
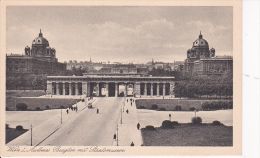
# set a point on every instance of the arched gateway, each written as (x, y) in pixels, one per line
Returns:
(112, 85)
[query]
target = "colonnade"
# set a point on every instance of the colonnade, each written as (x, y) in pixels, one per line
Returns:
(110, 88)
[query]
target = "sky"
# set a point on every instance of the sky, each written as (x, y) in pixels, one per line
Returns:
(120, 34)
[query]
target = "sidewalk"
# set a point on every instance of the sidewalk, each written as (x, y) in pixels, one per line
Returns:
(50, 126)
(127, 131)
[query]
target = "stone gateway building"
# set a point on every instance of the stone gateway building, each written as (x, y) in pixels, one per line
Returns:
(39, 59)
(110, 85)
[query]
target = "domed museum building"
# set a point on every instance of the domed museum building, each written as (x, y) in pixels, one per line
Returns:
(39, 59)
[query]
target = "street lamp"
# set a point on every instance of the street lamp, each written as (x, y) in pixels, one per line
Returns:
(60, 116)
(117, 135)
(31, 134)
(121, 115)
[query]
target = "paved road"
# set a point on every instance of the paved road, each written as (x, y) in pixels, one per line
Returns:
(90, 128)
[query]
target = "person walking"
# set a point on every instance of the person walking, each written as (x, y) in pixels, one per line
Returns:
(127, 111)
(97, 111)
(132, 144)
(138, 126)
(114, 136)
(67, 111)
(131, 103)
(127, 100)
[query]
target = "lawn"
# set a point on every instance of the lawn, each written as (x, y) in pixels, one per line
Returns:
(170, 104)
(189, 135)
(32, 103)
(155, 118)
(12, 133)
(24, 94)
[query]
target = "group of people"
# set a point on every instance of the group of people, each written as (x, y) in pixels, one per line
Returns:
(75, 108)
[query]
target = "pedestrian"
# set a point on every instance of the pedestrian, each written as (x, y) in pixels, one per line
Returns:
(76, 109)
(131, 103)
(127, 100)
(97, 111)
(127, 111)
(115, 136)
(138, 126)
(67, 111)
(132, 144)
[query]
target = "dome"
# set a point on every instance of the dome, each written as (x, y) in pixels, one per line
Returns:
(200, 42)
(40, 40)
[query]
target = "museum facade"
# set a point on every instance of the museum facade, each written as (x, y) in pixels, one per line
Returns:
(39, 59)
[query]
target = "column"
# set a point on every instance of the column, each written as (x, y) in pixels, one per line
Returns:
(151, 89)
(88, 89)
(97, 89)
(70, 88)
(158, 89)
(172, 88)
(53, 88)
(49, 88)
(125, 92)
(76, 89)
(107, 90)
(116, 89)
(57, 88)
(145, 89)
(63, 88)
(85, 89)
(163, 89)
(137, 89)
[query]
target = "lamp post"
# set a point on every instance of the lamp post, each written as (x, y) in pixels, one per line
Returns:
(117, 135)
(76, 106)
(31, 134)
(121, 116)
(60, 116)
(195, 113)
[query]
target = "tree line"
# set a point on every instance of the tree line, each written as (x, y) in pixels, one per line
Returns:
(198, 86)
(36, 81)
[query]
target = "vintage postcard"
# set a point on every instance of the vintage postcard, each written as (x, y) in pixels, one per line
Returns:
(119, 78)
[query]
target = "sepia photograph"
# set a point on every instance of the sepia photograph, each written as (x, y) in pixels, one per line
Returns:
(108, 78)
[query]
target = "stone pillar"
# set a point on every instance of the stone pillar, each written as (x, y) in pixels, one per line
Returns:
(63, 88)
(163, 89)
(145, 89)
(88, 89)
(49, 88)
(70, 88)
(85, 88)
(116, 89)
(151, 89)
(125, 92)
(76, 89)
(137, 89)
(172, 88)
(53, 89)
(57, 88)
(107, 90)
(97, 89)
(158, 88)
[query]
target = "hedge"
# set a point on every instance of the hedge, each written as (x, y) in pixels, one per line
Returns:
(217, 105)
